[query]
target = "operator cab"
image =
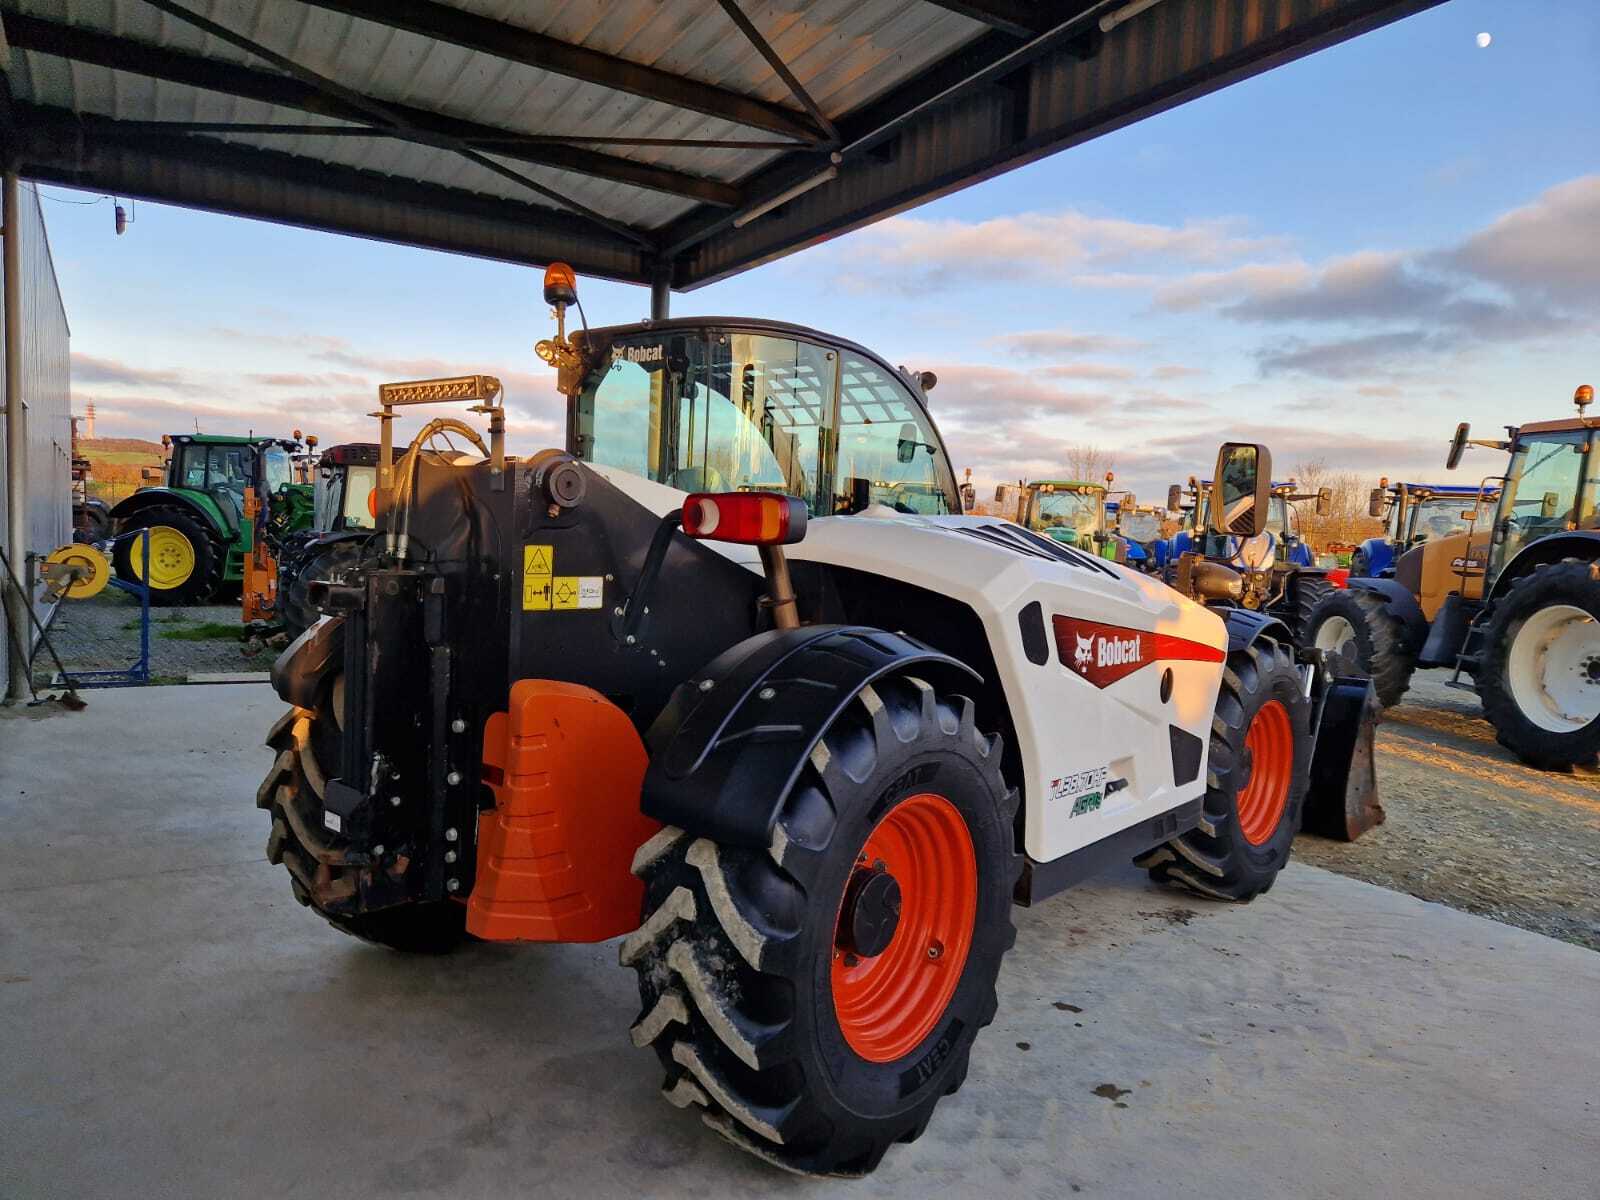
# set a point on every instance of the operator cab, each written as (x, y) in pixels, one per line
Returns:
(730, 404)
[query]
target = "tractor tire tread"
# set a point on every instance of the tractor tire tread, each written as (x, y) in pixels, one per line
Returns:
(717, 989)
(1213, 859)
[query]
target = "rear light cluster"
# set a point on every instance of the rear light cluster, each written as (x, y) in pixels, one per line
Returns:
(1339, 577)
(749, 518)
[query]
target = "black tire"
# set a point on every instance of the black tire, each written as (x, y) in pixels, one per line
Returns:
(1381, 649)
(91, 522)
(1308, 591)
(1570, 582)
(210, 554)
(322, 871)
(1223, 858)
(736, 948)
(295, 575)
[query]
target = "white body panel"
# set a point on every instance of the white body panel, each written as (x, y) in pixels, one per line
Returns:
(1066, 726)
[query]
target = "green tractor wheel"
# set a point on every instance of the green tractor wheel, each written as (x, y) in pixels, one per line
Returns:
(186, 556)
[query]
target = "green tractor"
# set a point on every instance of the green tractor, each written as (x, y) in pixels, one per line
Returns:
(1070, 511)
(200, 531)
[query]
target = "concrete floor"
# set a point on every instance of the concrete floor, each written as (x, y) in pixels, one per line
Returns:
(172, 1024)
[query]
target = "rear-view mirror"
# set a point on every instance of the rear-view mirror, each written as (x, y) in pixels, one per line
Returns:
(1175, 497)
(1458, 446)
(906, 450)
(1241, 489)
(1375, 502)
(1324, 501)
(1547, 505)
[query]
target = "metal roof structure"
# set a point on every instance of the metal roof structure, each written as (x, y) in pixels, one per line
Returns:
(673, 143)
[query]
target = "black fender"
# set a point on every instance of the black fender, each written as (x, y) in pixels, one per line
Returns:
(1553, 547)
(732, 740)
(298, 672)
(1245, 625)
(1399, 600)
(146, 497)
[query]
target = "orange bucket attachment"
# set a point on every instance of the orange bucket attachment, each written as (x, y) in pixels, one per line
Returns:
(565, 766)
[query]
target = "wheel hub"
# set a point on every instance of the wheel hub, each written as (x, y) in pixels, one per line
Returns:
(871, 912)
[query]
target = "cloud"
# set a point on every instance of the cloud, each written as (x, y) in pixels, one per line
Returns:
(1176, 371)
(1529, 275)
(1052, 343)
(1548, 248)
(302, 380)
(1067, 245)
(1102, 371)
(87, 368)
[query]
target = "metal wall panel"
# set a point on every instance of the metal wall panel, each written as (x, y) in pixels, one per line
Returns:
(47, 395)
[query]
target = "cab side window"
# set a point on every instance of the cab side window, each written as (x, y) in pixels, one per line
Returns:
(888, 452)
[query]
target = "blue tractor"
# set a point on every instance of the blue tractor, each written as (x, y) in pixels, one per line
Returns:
(1280, 573)
(1414, 513)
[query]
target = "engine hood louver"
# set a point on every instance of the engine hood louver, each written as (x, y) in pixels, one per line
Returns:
(1033, 545)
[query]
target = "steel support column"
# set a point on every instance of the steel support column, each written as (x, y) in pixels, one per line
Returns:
(16, 603)
(661, 294)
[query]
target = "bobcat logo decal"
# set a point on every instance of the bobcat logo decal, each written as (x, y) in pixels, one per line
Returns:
(1085, 654)
(1103, 654)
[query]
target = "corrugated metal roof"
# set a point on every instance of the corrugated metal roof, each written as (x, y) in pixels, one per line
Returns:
(458, 82)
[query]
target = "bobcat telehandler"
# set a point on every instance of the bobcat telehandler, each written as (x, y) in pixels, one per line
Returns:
(1516, 604)
(802, 766)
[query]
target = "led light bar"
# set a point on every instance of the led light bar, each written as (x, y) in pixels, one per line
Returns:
(479, 388)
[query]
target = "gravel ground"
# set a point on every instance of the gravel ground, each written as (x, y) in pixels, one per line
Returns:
(103, 634)
(1470, 826)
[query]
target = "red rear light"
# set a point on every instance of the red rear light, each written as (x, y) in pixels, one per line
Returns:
(750, 518)
(1339, 577)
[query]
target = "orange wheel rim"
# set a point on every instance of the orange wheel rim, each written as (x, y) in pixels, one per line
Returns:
(888, 1002)
(1269, 745)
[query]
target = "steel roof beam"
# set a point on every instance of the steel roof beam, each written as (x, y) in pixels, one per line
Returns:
(531, 49)
(1019, 19)
(75, 150)
(285, 129)
(139, 58)
(763, 47)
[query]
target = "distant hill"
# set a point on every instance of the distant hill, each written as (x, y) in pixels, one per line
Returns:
(116, 465)
(90, 447)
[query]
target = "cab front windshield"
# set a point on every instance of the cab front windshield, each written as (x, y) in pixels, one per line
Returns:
(1066, 516)
(701, 410)
(1437, 517)
(1140, 527)
(1547, 491)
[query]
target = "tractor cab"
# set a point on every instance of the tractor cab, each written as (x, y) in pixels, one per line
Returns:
(1279, 544)
(1414, 513)
(712, 404)
(345, 486)
(1071, 511)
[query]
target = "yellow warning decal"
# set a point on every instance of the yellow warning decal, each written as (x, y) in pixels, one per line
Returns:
(577, 591)
(537, 562)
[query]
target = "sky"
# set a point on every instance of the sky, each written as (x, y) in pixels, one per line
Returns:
(1341, 258)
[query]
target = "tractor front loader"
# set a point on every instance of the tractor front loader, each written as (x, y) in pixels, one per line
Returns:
(801, 766)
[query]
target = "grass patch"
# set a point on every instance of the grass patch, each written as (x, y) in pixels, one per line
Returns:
(206, 631)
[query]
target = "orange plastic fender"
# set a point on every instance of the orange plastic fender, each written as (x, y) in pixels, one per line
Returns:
(565, 766)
